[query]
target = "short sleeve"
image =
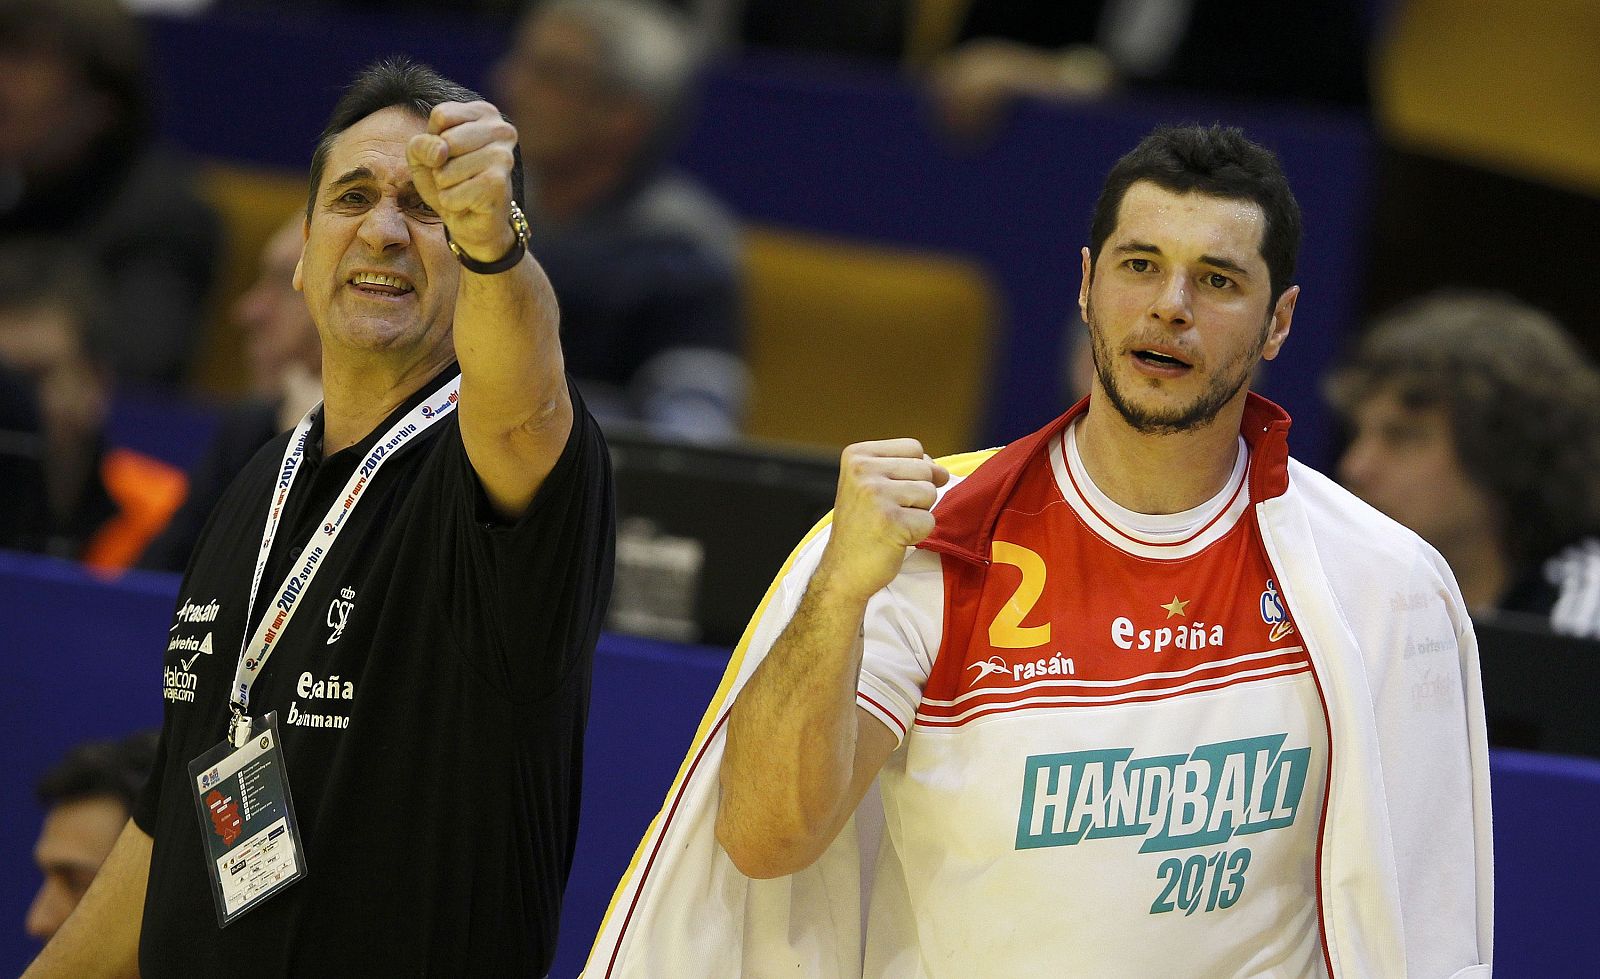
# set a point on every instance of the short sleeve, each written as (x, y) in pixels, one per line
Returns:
(147, 804)
(900, 638)
(901, 631)
(529, 596)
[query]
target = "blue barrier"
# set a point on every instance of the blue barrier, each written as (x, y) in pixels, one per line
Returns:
(80, 658)
(1547, 864)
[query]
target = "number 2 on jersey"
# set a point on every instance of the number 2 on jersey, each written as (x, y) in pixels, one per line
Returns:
(1007, 630)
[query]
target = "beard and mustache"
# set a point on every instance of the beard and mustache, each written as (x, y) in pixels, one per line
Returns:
(1225, 384)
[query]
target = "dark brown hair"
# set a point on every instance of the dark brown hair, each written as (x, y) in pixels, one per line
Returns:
(1217, 161)
(1522, 399)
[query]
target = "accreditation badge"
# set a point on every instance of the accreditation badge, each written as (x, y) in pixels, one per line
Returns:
(247, 820)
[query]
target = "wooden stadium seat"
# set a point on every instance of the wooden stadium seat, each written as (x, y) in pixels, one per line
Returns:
(252, 203)
(850, 342)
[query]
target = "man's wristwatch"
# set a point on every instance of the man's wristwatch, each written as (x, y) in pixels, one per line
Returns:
(519, 224)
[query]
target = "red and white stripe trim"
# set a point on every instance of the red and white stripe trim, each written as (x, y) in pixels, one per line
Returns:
(1055, 692)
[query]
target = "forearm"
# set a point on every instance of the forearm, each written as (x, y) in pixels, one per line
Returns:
(799, 753)
(787, 772)
(101, 936)
(508, 343)
(515, 410)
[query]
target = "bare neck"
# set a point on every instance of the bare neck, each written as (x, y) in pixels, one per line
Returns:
(356, 398)
(1158, 473)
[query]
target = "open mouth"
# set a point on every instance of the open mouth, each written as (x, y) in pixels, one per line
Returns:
(379, 284)
(1157, 359)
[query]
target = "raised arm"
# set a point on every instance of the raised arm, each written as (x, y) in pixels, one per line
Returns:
(800, 753)
(100, 939)
(515, 410)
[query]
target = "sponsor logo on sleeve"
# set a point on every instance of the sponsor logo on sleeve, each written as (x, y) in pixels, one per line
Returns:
(179, 680)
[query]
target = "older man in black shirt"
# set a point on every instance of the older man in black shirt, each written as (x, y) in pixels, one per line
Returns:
(410, 584)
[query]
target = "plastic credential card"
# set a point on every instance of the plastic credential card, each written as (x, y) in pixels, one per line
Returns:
(247, 820)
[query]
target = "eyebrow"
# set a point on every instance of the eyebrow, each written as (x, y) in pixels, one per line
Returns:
(351, 177)
(1215, 261)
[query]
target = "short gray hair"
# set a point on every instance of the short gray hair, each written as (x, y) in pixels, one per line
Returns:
(647, 49)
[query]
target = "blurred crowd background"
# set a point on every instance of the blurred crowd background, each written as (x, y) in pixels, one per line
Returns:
(778, 227)
(807, 224)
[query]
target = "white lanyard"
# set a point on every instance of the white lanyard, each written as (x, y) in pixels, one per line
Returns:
(253, 652)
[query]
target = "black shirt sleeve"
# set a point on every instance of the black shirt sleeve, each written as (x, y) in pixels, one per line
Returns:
(532, 594)
(148, 803)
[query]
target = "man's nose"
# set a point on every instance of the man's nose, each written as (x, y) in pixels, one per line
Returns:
(1171, 304)
(49, 909)
(384, 227)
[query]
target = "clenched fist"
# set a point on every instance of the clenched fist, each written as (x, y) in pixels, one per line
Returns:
(462, 168)
(886, 493)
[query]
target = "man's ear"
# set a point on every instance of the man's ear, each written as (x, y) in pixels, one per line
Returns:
(299, 280)
(1278, 327)
(1083, 285)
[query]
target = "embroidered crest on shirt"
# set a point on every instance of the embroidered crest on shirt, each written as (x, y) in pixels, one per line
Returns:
(339, 613)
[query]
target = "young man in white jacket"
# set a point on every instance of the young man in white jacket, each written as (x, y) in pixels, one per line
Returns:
(1134, 695)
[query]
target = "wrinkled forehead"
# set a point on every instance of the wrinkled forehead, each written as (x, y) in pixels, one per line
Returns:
(375, 144)
(1234, 227)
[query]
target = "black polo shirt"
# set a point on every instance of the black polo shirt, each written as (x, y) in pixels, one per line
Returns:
(431, 692)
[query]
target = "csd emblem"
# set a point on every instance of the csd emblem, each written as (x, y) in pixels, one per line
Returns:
(339, 613)
(1273, 613)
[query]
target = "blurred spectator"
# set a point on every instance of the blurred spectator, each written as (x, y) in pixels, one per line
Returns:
(1488, 177)
(1258, 49)
(101, 505)
(87, 799)
(1476, 422)
(77, 161)
(283, 355)
(644, 262)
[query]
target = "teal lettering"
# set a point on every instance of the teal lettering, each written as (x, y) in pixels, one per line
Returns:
(1175, 802)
